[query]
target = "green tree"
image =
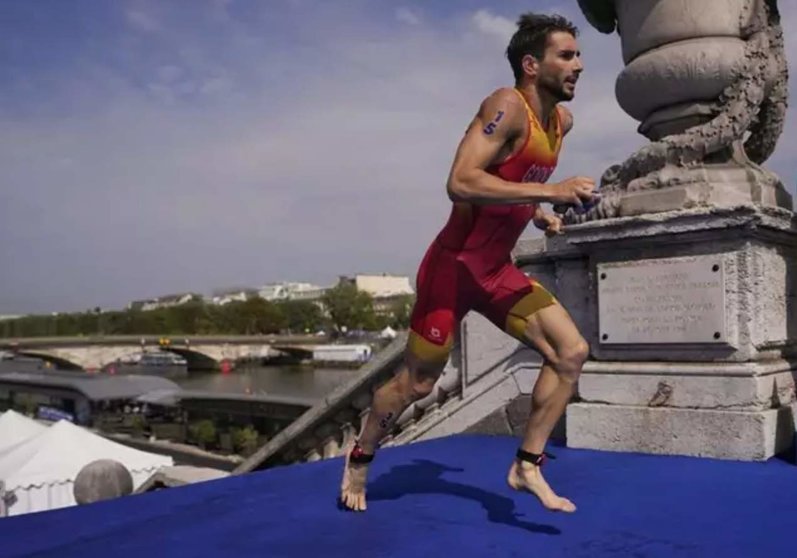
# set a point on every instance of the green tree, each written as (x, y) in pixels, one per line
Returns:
(301, 315)
(349, 307)
(245, 440)
(400, 311)
(204, 432)
(262, 316)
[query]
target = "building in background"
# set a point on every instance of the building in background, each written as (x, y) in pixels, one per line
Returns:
(223, 297)
(386, 290)
(164, 301)
(291, 291)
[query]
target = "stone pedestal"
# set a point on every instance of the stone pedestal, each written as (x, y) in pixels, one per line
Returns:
(692, 333)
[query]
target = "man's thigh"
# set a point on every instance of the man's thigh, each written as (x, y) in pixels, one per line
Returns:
(527, 311)
(434, 315)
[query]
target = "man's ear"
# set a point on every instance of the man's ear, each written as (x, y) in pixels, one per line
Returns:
(530, 65)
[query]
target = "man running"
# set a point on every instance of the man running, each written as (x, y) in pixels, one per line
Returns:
(496, 183)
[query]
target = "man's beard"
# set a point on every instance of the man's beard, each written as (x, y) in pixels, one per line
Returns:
(557, 90)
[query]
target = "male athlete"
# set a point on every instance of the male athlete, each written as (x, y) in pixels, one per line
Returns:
(497, 182)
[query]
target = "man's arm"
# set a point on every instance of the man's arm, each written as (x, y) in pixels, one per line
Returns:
(501, 118)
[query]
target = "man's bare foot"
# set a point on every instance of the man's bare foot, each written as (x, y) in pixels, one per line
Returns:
(528, 477)
(352, 487)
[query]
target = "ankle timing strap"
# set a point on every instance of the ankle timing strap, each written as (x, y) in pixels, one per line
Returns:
(535, 458)
(358, 456)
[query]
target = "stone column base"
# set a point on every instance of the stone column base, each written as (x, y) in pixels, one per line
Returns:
(721, 434)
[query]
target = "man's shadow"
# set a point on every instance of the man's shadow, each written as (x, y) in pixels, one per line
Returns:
(425, 477)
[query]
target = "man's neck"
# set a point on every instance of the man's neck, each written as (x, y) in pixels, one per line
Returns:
(539, 102)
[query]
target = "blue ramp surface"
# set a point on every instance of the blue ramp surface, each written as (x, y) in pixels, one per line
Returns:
(445, 497)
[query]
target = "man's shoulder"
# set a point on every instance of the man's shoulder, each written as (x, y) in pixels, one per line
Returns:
(508, 95)
(507, 101)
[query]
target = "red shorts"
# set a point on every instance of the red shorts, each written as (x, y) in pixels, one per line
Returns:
(447, 288)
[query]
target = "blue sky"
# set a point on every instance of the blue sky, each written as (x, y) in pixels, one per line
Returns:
(153, 147)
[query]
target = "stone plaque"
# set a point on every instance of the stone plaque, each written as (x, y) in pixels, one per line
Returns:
(662, 301)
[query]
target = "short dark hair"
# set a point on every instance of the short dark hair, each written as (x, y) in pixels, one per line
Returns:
(531, 37)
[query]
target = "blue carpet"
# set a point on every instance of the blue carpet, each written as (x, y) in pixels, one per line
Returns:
(438, 498)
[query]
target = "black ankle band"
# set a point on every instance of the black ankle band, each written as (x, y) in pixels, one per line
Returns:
(358, 456)
(535, 458)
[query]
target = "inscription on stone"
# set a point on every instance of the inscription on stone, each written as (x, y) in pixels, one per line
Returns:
(662, 301)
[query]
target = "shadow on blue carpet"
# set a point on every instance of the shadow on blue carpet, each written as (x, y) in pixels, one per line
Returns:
(443, 497)
(425, 477)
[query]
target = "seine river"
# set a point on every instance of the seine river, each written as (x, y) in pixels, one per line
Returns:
(295, 381)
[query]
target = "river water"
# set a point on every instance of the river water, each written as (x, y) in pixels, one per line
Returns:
(293, 381)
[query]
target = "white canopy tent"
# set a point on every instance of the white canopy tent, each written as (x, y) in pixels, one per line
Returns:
(39, 473)
(15, 428)
(388, 333)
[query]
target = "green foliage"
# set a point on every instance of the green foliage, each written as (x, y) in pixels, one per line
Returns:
(349, 307)
(400, 312)
(203, 431)
(303, 316)
(26, 405)
(255, 316)
(343, 306)
(138, 424)
(245, 440)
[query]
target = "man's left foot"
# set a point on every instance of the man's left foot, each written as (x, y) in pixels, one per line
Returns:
(524, 476)
(352, 487)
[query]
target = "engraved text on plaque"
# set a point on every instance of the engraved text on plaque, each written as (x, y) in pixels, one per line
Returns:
(662, 301)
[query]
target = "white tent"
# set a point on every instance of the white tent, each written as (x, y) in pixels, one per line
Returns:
(39, 474)
(15, 428)
(388, 333)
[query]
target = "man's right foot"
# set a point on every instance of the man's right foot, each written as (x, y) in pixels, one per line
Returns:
(525, 476)
(355, 474)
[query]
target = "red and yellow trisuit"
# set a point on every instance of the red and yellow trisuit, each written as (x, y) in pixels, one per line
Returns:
(468, 266)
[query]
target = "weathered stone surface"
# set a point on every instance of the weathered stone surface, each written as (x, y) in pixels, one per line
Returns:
(673, 385)
(486, 348)
(517, 413)
(494, 424)
(678, 72)
(100, 480)
(743, 435)
(660, 22)
(752, 243)
(723, 65)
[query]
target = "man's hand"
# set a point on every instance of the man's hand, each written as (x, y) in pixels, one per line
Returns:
(551, 224)
(575, 191)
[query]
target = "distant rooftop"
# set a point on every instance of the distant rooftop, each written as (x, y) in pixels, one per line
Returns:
(94, 387)
(171, 397)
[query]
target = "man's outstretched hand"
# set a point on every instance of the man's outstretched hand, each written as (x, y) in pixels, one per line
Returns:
(549, 223)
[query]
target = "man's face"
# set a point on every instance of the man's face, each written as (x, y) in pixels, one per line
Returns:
(559, 69)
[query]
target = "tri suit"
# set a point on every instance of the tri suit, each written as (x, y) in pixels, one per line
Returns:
(469, 266)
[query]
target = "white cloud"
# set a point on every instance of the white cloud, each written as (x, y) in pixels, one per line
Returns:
(169, 73)
(408, 16)
(242, 161)
(496, 25)
(142, 21)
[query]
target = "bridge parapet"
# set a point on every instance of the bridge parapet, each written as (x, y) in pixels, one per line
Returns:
(23, 343)
(97, 357)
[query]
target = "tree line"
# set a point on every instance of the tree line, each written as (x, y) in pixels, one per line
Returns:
(342, 308)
